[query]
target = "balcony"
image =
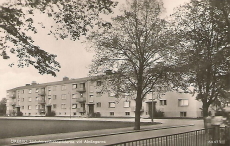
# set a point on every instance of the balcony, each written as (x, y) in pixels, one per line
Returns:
(42, 93)
(41, 101)
(81, 110)
(82, 89)
(17, 105)
(41, 111)
(13, 95)
(81, 99)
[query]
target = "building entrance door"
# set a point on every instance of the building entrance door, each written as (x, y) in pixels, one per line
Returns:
(91, 109)
(152, 109)
(48, 110)
(18, 111)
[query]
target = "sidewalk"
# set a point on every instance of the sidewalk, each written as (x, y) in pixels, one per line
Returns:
(166, 124)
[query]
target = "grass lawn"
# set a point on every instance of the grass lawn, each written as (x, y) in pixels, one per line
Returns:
(19, 127)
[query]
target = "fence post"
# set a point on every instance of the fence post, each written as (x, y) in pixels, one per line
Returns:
(166, 140)
(196, 139)
(216, 135)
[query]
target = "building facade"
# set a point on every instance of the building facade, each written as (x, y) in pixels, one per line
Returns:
(83, 97)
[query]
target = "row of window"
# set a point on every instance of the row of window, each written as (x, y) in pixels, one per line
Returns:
(74, 105)
(75, 113)
(181, 102)
(63, 87)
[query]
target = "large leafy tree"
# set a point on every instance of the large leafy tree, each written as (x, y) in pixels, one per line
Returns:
(72, 19)
(204, 59)
(3, 106)
(134, 50)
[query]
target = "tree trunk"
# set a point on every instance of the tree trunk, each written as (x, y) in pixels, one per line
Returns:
(205, 113)
(137, 110)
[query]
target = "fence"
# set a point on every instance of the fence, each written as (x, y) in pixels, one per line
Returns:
(215, 136)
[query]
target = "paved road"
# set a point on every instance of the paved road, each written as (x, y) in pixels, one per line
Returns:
(111, 139)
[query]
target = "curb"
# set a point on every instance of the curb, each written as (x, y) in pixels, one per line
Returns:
(100, 135)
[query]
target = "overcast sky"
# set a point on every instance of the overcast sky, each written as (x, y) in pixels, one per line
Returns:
(72, 56)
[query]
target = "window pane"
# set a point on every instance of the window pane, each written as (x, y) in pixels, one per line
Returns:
(126, 104)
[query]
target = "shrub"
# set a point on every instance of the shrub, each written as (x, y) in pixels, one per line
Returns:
(51, 114)
(95, 115)
(159, 114)
(19, 114)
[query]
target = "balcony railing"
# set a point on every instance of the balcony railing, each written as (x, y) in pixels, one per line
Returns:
(81, 99)
(41, 101)
(81, 110)
(17, 105)
(82, 89)
(42, 93)
(13, 95)
(41, 111)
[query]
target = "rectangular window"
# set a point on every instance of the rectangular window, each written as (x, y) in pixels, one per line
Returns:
(82, 85)
(63, 106)
(183, 114)
(54, 97)
(49, 88)
(22, 91)
(22, 99)
(74, 106)
(111, 113)
(22, 107)
(98, 94)
(112, 104)
(63, 96)
(126, 104)
(163, 102)
(127, 113)
(99, 104)
(30, 91)
(74, 96)
(112, 94)
(63, 87)
(99, 83)
(74, 86)
(182, 102)
(54, 105)
(91, 88)
(37, 90)
(49, 92)
(30, 99)
(29, 107)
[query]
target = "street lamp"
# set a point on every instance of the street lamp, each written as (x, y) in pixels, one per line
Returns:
(152, 107)
(70, 105)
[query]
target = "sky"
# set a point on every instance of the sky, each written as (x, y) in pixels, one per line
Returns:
(72, 55)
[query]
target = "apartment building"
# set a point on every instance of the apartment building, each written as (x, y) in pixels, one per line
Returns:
(83, 97)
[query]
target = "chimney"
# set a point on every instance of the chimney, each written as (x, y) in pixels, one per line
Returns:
(27, 84)
(65, 79)
(33, 83)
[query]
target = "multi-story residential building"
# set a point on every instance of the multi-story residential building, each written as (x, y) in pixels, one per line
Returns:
(84, 96)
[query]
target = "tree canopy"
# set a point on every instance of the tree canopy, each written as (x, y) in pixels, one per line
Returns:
(204, 51)
(135, 50)
(73, 19)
